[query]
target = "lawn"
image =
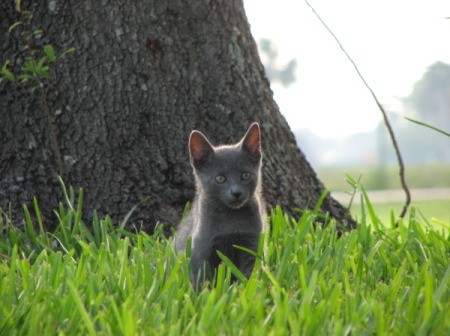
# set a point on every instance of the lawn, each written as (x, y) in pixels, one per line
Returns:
(386, 177)
(432, 212)
(108, 281)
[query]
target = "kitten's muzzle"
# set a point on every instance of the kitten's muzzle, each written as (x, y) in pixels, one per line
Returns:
(237, 194)
(237, 199)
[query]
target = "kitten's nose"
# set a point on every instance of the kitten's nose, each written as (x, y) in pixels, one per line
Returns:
(236, 194)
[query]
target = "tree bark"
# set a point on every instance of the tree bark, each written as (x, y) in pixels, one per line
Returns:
(116, 115)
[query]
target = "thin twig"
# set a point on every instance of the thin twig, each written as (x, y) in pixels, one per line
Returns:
(383, 112)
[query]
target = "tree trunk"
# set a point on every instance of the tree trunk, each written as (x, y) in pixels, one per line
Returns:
(116, 114)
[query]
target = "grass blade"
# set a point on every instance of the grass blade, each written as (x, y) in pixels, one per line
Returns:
(81, 310)
(236, 272)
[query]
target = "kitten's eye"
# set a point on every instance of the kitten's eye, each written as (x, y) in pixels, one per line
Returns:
(246, 176)
(220, 179)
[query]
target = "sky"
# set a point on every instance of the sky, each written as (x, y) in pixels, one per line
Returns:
(391, 41)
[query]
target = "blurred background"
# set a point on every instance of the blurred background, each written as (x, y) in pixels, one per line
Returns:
(402, 49)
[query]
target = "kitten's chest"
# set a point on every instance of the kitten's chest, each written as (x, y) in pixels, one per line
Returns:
(217, 223)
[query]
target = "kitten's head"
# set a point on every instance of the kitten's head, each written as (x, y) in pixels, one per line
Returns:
(231, 173)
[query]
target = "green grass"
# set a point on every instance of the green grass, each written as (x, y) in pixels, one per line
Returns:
(371, 281)
(433, 212)
(386, 177)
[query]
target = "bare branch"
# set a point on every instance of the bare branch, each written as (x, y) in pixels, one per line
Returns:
(383, 112)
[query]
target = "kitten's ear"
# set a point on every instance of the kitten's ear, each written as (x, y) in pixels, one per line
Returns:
(199, 149)
(251, 143)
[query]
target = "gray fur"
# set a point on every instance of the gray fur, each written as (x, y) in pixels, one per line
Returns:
(223, 214)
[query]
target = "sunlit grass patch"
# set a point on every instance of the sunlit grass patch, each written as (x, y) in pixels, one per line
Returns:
(104, 280)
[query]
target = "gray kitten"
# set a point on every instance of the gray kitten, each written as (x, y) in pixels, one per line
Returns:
(228, 208)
